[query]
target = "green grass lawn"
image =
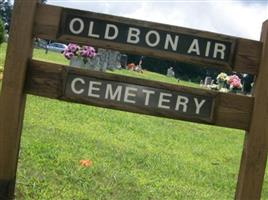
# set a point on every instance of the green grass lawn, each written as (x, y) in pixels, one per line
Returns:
(2, 54)
(134, 156)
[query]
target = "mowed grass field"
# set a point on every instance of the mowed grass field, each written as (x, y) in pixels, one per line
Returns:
(133, 156)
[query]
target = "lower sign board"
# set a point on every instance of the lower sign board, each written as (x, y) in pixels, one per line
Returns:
(124, 96)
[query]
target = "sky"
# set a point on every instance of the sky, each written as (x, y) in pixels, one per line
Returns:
(240, 18)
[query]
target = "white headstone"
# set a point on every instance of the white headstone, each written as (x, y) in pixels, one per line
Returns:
(207, 81)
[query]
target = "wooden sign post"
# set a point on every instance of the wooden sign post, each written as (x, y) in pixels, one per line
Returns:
(254, 157)
(12, 100)
(22, 76)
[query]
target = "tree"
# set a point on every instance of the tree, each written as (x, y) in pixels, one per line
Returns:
(2, 31)
(183, 71)
(5, 12)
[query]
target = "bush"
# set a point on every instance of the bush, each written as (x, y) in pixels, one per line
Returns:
(2, 31)
(184, 77)
(196, 79)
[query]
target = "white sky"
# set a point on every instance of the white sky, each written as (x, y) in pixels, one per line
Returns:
(241, 18)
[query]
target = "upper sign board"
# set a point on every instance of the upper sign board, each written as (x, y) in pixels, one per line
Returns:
(177, 43)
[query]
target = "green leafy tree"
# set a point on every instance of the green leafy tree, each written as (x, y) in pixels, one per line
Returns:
(2, 31)
(5, 12)
(184, 71)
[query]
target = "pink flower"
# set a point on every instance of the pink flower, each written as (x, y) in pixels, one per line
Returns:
(87, 52)
(73, 48)
(234, 81)
(68, 54)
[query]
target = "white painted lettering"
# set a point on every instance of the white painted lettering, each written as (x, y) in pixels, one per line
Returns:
(198, 105)
(133, 35)
(219, 48)
(171, 42)
(81, 26)
(92, 87)
(74, 81)
(129, 93)
(207, 49)
(163, 100)
(181, 101)
(107, 32)
(194, 48)
(113, 95)
(90, 31)
(147, 96)
(157, 38)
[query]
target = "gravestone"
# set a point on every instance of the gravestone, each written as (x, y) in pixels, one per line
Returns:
(123, 61)
(104, 59)
(170, 72)
(207, 81)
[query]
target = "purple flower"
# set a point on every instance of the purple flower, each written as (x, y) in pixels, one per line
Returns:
(73, 48)
(87, 52)
(68, 54)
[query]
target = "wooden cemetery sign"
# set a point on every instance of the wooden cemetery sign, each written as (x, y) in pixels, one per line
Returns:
(84, 88)
(22, 76)
(179, 43)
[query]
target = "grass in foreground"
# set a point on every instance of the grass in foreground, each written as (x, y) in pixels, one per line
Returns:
(134, 156)
(3, 47)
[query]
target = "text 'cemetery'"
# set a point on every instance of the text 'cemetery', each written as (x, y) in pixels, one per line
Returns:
(141, 96)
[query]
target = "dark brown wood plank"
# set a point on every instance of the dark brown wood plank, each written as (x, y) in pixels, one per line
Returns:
(248, 56)
(46, 79)
(246, 53)
(254, 156)
(12, 99)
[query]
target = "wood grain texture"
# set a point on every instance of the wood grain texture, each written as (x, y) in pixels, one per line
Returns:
(254, 156)
(246, 54)
(46, 79)
(247, 58)
(12, 99)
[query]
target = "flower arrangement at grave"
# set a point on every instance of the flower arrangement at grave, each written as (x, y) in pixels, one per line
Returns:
(79, 55)
(221, 80)
(235, 83)
(222, 77)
